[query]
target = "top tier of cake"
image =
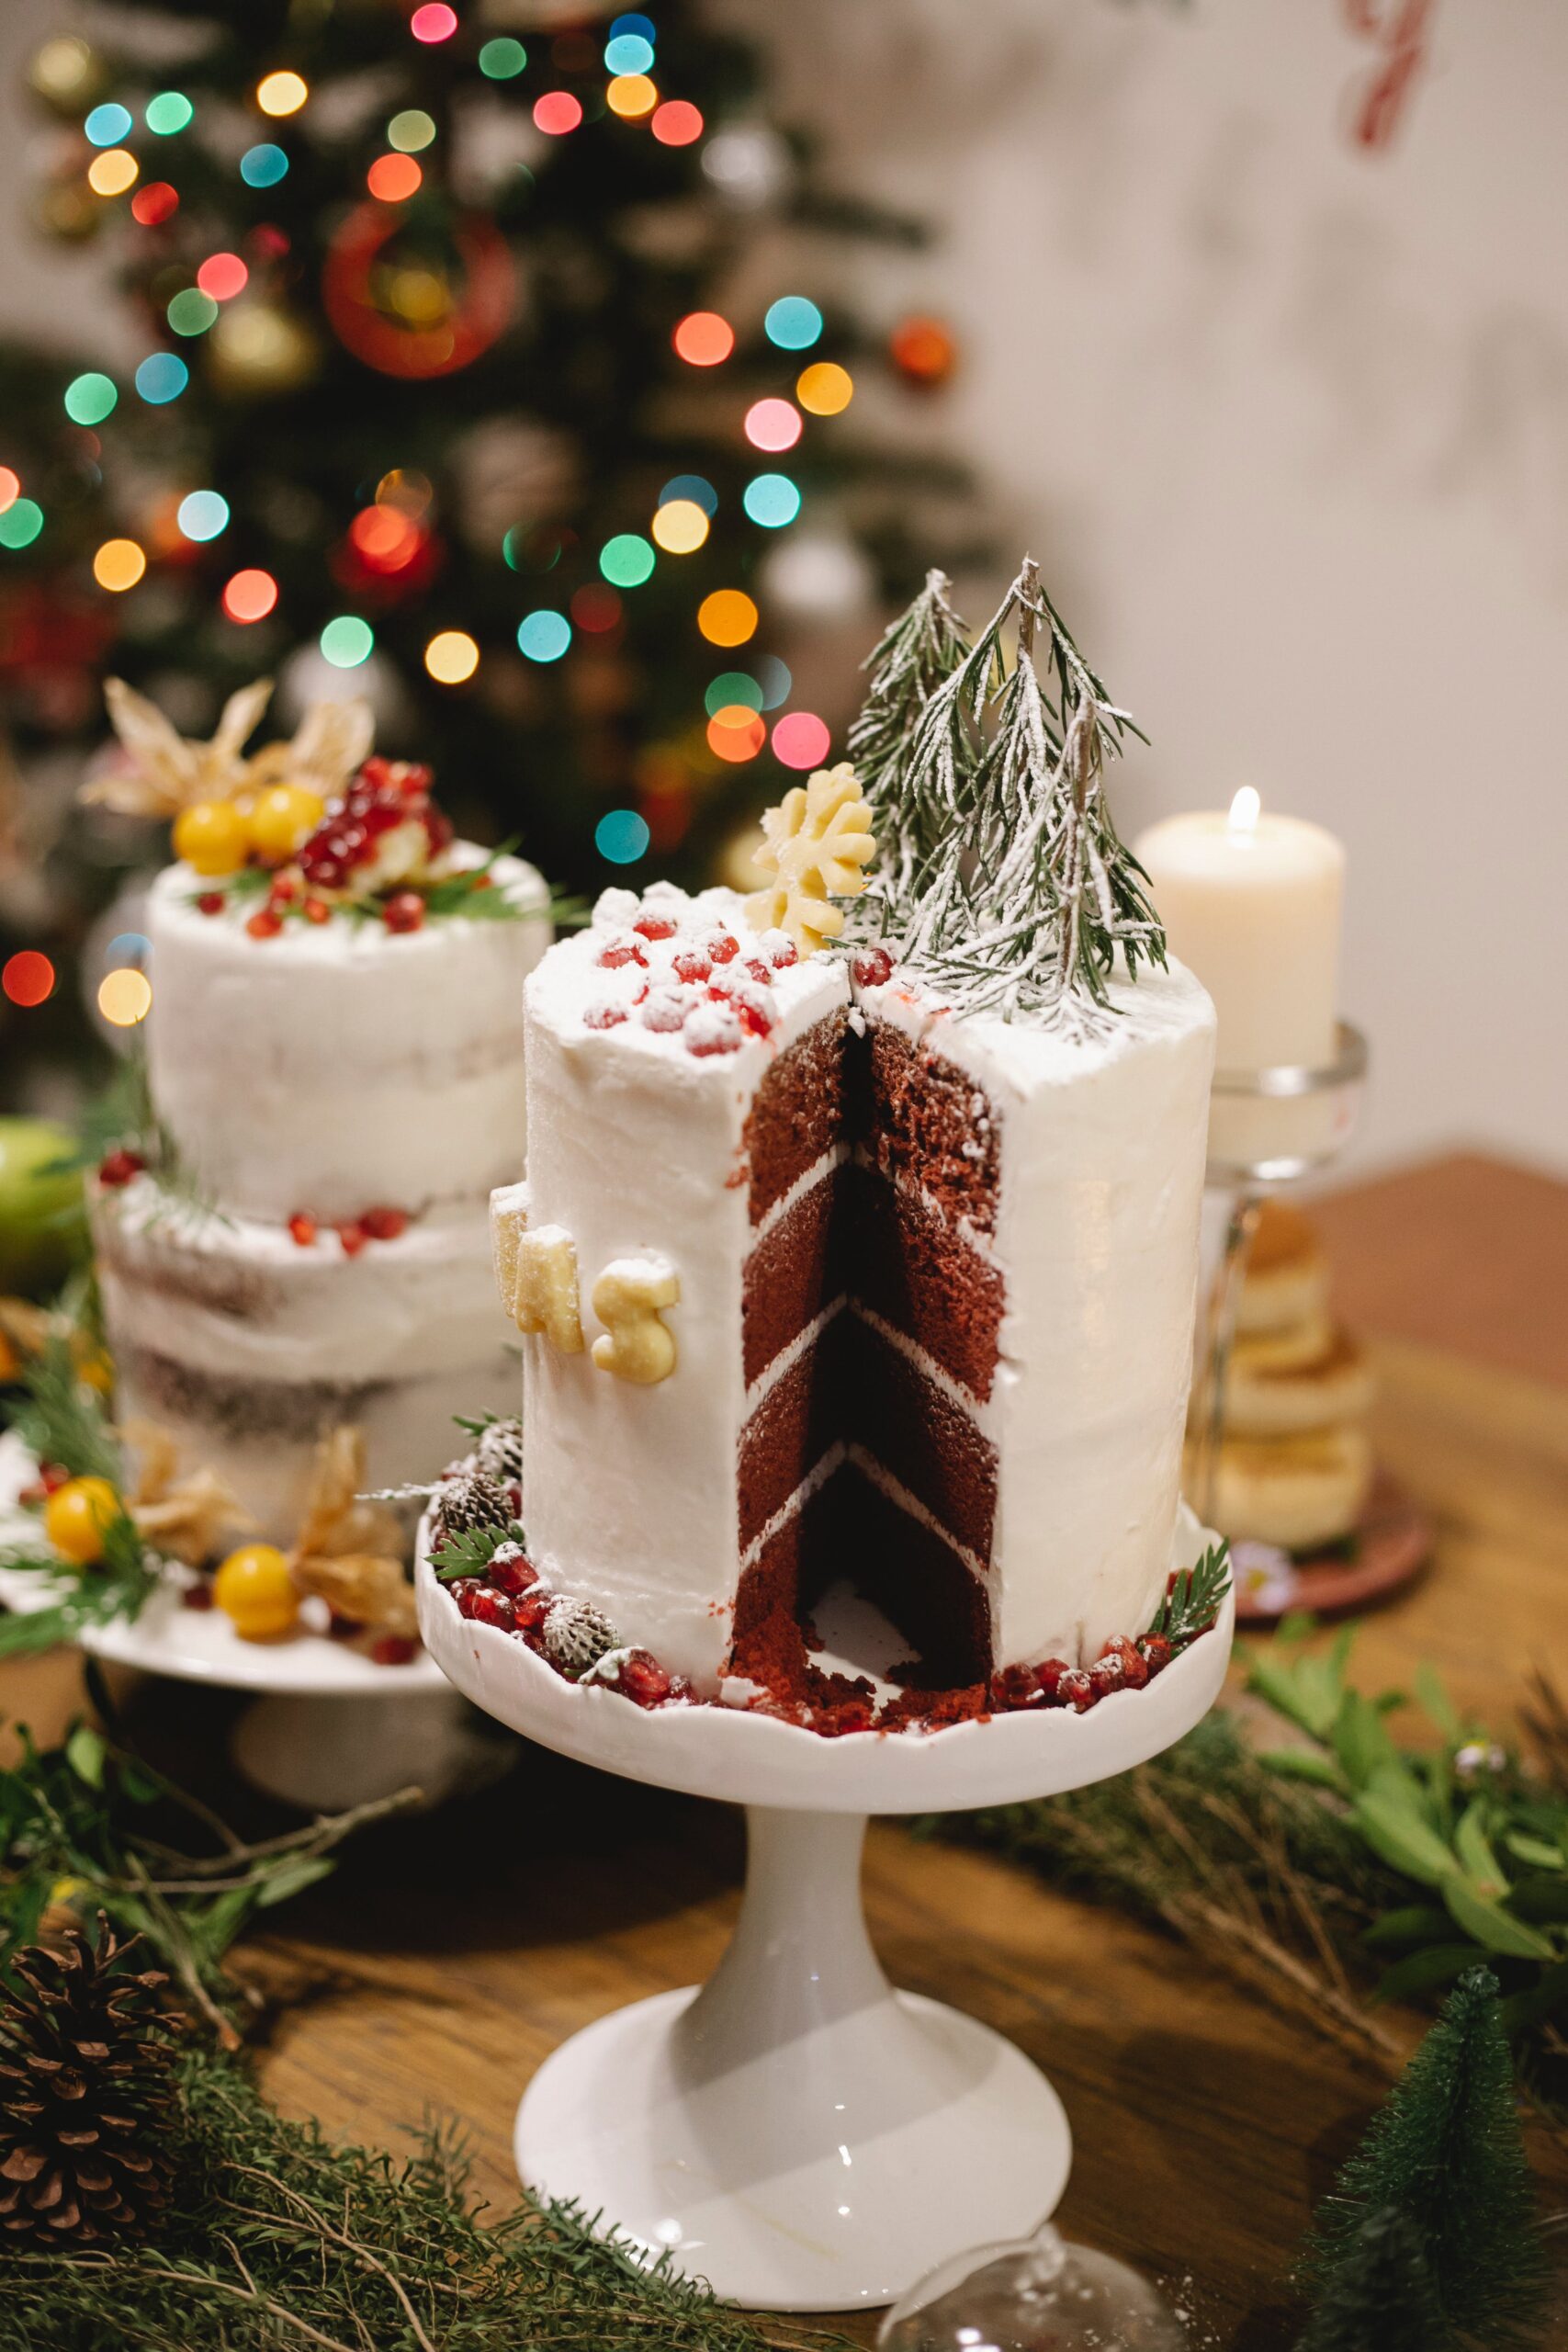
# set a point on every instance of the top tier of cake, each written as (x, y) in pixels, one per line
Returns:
(340, 1064)
(935, 1276)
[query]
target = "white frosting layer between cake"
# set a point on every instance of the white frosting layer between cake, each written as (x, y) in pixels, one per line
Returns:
(339, 1067)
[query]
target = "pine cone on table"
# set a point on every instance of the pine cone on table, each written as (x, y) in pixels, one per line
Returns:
(87, 2098)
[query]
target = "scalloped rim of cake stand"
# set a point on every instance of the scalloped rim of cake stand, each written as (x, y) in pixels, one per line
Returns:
(746, 1758)
(199, 1645)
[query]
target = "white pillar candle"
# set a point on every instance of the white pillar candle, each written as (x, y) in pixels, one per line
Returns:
(1252, 903)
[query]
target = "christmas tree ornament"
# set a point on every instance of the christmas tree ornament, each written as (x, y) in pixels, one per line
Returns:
(67, 74)
(87, 2102)
(42, 1228)
(1038, 2294)
(923, 352)
(257, 350)
(418, 310)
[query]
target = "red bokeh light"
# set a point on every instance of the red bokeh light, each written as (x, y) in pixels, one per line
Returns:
(434, 22)
(250, 596)
(676, 123)
(28, 978)
(156, 202)
(702, 339)
(384, 539)
(596, 607)
(801, 740)
(392, 178)
(222, 276)
(556, 112)
(10, 488)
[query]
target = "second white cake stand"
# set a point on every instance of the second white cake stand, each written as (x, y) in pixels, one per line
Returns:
(795, 2131)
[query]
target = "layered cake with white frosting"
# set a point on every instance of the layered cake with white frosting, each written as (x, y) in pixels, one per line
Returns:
(294, 1236)
(856, 1264)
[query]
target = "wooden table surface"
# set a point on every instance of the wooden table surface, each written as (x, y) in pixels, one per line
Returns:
(450, 1954)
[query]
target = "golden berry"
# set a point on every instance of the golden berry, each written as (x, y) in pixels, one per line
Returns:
(281, 818)
(210, 836)
(256, 1592)
(76, 1517)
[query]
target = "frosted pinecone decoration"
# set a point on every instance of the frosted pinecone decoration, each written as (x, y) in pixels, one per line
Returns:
(577, 1635)
(471, 1501)
(499, 1453)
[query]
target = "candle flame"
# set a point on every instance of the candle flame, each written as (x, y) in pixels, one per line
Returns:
(1245, 810)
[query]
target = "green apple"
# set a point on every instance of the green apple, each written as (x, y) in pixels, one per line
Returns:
(42, 1225)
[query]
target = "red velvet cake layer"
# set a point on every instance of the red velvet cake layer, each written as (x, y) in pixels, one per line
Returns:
(797, 1114)
(922, 1277)
(926, 1120)
(915, 1430)
(793, 1274)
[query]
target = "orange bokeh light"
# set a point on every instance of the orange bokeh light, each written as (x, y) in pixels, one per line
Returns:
(28, 978)
(10, 488)
(727, 616)
(393, 178)
(737, 732)
(250, 596)
(676, 123)
(702, 339)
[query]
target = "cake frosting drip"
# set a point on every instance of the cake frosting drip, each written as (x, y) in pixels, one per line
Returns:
(936, 1279)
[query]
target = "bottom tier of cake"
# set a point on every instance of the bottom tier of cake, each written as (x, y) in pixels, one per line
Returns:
(248, 1345)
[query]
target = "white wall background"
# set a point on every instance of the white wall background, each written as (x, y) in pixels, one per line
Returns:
(1286, 423)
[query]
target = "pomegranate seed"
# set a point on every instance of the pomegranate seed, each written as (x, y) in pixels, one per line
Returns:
(642, 1679)
(197, 1596)
(755, 1018)
(691, 966)
(1157, 1652)
(316, 911)
(118, 1167)
(603, 1016)
(1015, 1687)
(463, 1591)
(394, 1649)
(284, 891)
(211, 902)
(1107, 1675)
(654, 926)
(761, 973)
(665, 1011)
(353, 1238)
(780, 950)
(1049, 1675)
(681, 1691)
(1134, 1666)
(512, 1576)
(619, 952)
(303, 1227)
(1076, 1690)
(531, 1608)
(721, 948)
(720, 1038)
(492, 1608)
(873, 970)
(265, 924)
(385, 1225)
(404, 911)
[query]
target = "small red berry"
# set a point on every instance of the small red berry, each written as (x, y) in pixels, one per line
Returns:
(756, 1019)
(654, 926)
(512, 1576)
(1134, 1666)
(782, 950)
(316, 911)
(618, 952)
(665, 1011)
(53, 1475)
(1076, 1690)
(492, 1608)
(465, 1592)
(303, 1227)
(1157, 1652)
(689, 964)
(721, 947)
(761, 973)
(1048, 1674)
(1107, 1675)
(404, 911)
(642, 1679)
(118, 1167)
(198, 1595)
(353, 1238)
(385, 1225)
(284, 891)
(531, 1608)
(394, 1649)
(264, 924)
(873, 970)
(1015, 1687)
(603, 1016)
(211, 902)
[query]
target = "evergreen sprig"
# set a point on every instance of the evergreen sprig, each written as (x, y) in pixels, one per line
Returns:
(63, 1422)
(468, 1552)
(1380, 2296)
(1194, 1597)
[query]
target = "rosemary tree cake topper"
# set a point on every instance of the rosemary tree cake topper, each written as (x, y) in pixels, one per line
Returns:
(1004, 880)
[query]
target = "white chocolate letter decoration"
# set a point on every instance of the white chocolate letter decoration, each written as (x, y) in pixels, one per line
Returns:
(635, 1343)
(507, 1223)
(546, 1288)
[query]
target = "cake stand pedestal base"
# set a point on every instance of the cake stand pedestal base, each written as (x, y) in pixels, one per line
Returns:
(326, 1754)
(795, 2131)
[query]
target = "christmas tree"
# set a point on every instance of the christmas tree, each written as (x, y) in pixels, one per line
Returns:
(1447, 2155)
(462, 388)
(1380, 2296)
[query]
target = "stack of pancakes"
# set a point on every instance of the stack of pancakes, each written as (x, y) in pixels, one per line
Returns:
(1295, 1465)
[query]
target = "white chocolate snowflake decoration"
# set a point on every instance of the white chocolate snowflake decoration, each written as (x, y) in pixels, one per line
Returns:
(817, 843)
(636, 1344)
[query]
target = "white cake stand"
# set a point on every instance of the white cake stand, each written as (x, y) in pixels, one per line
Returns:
(795, 2131)
(329, 1728)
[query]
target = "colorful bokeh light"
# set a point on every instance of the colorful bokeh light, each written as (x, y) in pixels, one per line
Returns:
(113, 172)
(250, 596)
(161, 376)
(451, 656)
(676, 123)
(107, 125)
(391, 179)
(702, 339)
(501, 60)
(631, 96)
(125, 997)
(433, 22)
(543, 635)
(772, 424)
(621, 836)
(410, 130)
(695, 487)
(170, 111)
(10, 487)
(732, 686)
(793, 323)
(557, 113)
(191, 312)
(263, 165)
(628, 53)
(90, 398)
(737, 733)
(772, 500)
(727, 616)
(222, 276)
(801, 740)
(20, 523)
(773, 677)
(596, 607)
(385, 537)
(119, 565)
(155, 203)
(347, 640)
(633, 23)
(202, 515)
(28, 978)
(626, 560)
(282, 94)
(825, 388)
(681, 527)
